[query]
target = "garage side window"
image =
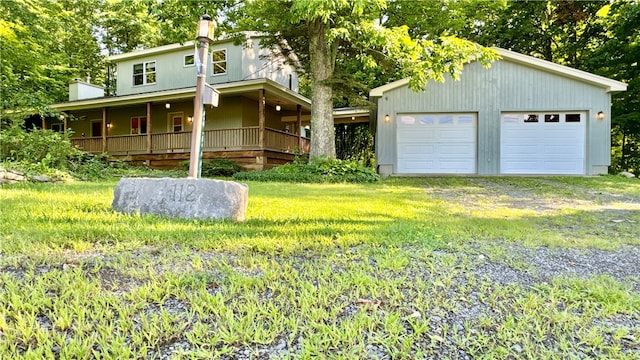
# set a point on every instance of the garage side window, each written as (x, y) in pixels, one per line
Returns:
(407, 120)
(427, 120)
(531, 118)
(551, 118)
(445, 119)
(572, 118)
(465, 119)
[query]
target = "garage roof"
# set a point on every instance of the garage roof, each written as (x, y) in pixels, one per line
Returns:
(609, 84)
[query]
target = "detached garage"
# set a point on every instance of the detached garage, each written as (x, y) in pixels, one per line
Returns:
(521, 116)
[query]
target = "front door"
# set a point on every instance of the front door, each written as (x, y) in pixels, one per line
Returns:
(96, 128)
(176, 122)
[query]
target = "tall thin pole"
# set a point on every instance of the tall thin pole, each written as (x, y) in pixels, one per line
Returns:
(205, 33)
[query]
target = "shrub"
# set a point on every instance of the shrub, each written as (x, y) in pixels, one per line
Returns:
(317, 170)
(40, 148)
(85, 166)
(217, 167)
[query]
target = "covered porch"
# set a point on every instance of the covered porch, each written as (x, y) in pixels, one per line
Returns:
(168, 149)
(259, 124)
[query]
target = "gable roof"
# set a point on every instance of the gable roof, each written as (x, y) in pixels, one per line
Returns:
(223, 38)
(609, 85)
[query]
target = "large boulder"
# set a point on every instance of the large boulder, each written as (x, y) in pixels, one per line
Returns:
(183, 198)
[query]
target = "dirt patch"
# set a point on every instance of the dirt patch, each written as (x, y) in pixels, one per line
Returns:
(485, 194)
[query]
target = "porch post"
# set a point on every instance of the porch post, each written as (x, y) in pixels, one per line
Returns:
(149, 127)
(261, 118)
(65, 124)
(44, 122)
(299, 126)
(104, 130)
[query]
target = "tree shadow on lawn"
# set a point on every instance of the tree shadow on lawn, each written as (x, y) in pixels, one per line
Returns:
(581, 229)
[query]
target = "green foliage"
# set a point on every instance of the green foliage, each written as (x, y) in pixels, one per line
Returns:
(85, 166)
(618, 58)
(41, 148)
(46, 152)
(355, 142)
(335, 40)
(44, 45)
(318, 170)
(216, 167)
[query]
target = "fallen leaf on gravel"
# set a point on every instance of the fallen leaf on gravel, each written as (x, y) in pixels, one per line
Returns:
(374, 303)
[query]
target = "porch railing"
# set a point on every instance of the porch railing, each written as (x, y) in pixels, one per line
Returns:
(284, 141)
(214, 140)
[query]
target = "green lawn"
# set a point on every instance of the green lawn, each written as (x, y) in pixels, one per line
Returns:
(355, 271)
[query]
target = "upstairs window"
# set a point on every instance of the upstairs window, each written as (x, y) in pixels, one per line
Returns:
(189, 60)
(144, 73)
(219, 61)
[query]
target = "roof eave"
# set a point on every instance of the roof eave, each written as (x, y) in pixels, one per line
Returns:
(224, 89)
(380, 90)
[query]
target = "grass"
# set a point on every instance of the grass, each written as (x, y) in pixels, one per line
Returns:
(355, 271)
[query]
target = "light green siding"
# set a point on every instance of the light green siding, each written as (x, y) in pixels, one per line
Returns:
(226, 116)
(244, 62)
(259, 62)
(505, 87)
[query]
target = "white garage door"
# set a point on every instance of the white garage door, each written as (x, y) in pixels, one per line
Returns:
(542, 143)
(436, 143)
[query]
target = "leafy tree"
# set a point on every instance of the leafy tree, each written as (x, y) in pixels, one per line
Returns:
(322, 33)
(44, 45)
(560, 31)
(618, 58)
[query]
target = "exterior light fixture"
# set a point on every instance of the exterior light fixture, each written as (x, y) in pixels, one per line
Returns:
(278, 107)
(600, 115)
(167, 106)
(387, 118)
(190, 119)
(109, 125)
(353, 118)
(205, 28)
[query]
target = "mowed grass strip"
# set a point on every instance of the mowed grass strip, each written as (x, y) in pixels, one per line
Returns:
(345, 271)
(39, 219)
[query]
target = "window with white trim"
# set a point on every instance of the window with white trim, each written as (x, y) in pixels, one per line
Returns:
(176, 122)
(189, 60)
(139, 125)
(144, 73)
(219, 61)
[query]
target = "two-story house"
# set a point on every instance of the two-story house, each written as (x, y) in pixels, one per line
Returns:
(258, 121)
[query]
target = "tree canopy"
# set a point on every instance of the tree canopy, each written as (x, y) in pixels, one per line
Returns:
(333, 38)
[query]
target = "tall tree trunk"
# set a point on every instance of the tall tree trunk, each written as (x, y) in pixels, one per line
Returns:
(322, 66)
(623, 155)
